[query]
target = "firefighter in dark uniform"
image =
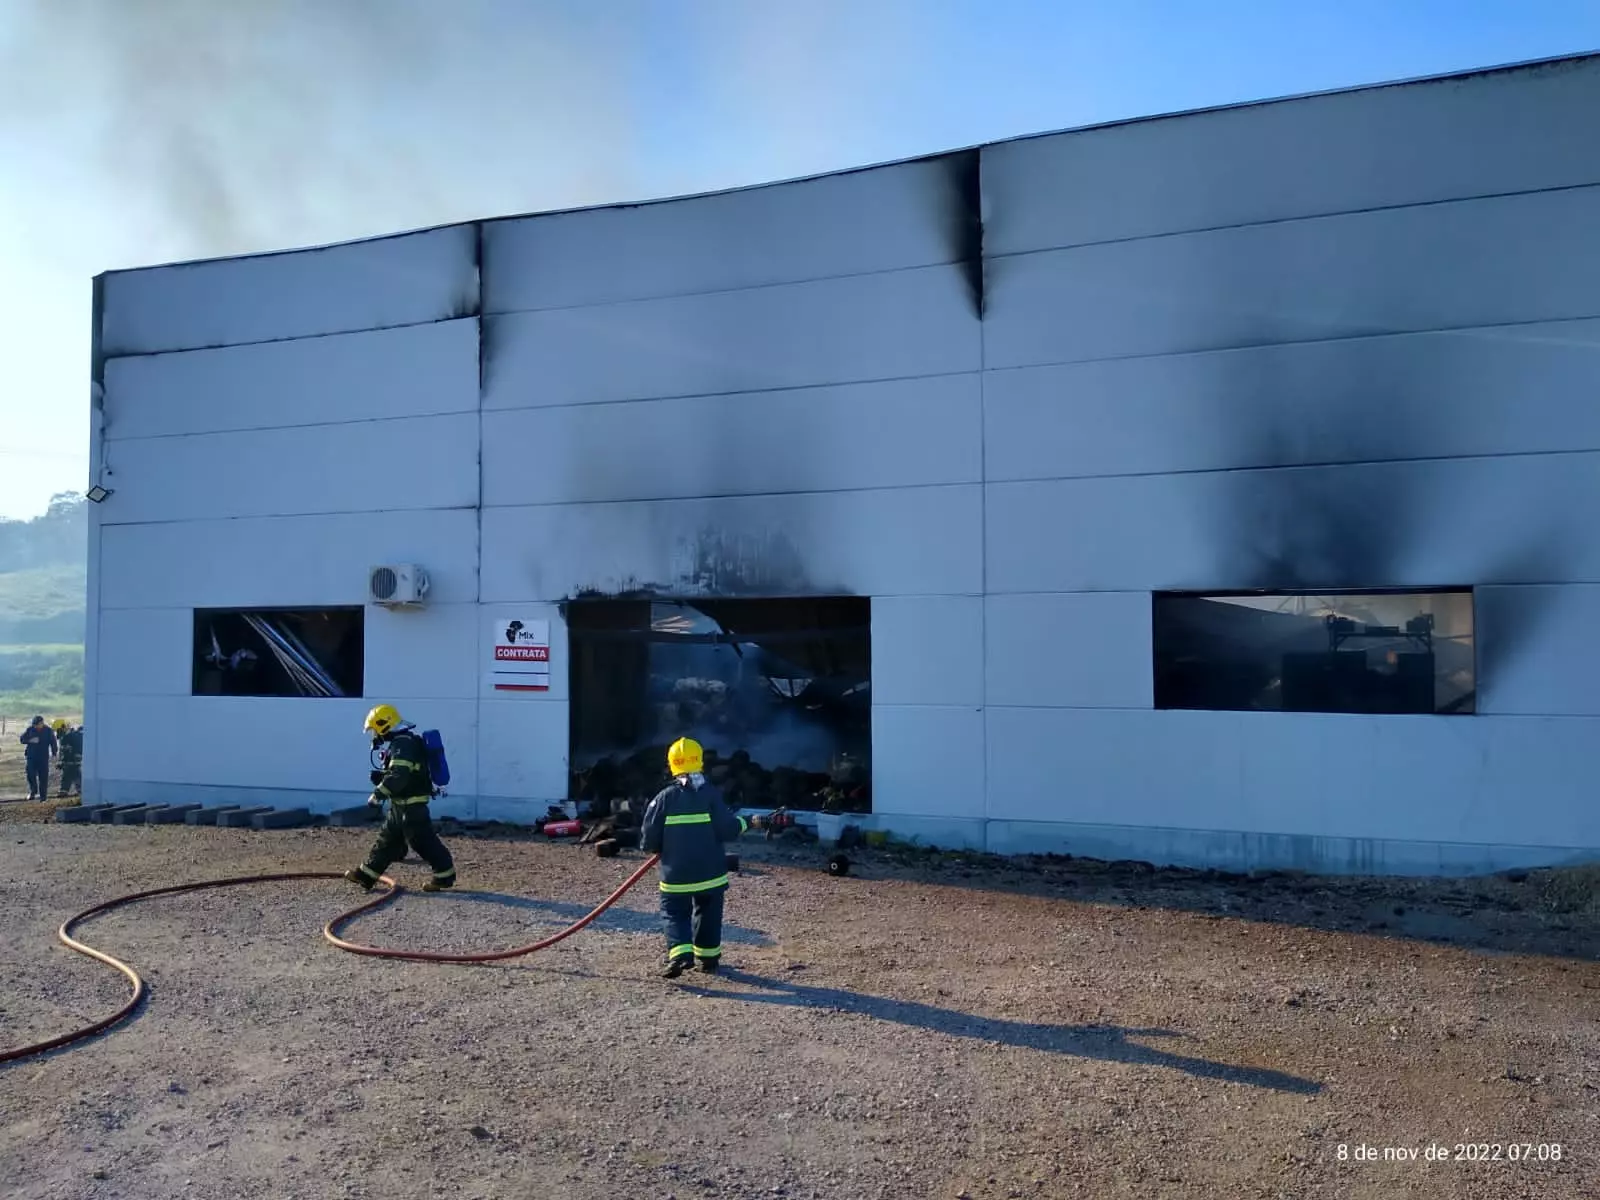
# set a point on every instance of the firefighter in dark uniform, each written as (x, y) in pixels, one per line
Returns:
(405, 782)
(71, 744)
(687, 824)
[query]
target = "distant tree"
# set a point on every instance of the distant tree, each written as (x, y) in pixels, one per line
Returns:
(60, 537)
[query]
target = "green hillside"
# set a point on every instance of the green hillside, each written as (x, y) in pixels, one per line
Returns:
(43, 581)
(42, 605)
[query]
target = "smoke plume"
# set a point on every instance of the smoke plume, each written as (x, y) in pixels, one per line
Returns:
(223, 126)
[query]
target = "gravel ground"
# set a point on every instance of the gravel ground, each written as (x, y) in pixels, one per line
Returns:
(923, 1028)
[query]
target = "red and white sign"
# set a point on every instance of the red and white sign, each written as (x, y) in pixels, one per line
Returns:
(520, 658)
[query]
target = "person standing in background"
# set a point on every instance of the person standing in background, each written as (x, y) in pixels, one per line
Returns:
(70, 742)
(39, 746)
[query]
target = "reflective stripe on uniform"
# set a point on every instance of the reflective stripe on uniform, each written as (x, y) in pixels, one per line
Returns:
(405, 762)
(704, 952)
(370, 874)
(744, 826)
(680, 889)
(690, 819)
(443, 875)
(402, 802)
(680, 951)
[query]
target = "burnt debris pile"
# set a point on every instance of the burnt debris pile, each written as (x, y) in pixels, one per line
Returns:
(621, 785)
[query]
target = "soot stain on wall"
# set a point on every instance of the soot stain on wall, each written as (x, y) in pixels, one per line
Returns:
(1358, 519)
(965, 215)
(719, 563)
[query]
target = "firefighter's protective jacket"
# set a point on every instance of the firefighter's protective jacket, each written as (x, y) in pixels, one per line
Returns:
(406, 779)
(687, 824)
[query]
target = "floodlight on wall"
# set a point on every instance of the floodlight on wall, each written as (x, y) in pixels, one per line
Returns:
(97, 493)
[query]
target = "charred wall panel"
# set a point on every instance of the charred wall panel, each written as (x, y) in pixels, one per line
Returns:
(1422, 525)
(1538, 653)
(1492, 132)
(420, 463)
(900, 541)
(860, 222)
(241, 563)
(417, 371)
(903, 433)
(1462, 264)
(886, 326)
(1512, 390)
(406, 280)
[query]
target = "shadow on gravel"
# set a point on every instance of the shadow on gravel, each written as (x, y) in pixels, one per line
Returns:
(1108, 1043)
(618, 920)
(1521, 913)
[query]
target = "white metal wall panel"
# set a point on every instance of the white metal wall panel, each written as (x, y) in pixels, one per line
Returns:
(427, 653)
(363, 466)
(1472, 263)
(927, 650)
(901, 433)
(885, 219)
(329, 749)
(1537, 653)
(406, 280)
(1418, 524)
(900, 541)
(1430, 141)
(888, 326)
(1070, 650)
(283, 561)
(1478, 780)
(416, 371)
(146, 652)
(523, 747)
(1508, 390)
(927, 761)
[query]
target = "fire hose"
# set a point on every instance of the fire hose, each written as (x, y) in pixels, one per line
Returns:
(329, 931)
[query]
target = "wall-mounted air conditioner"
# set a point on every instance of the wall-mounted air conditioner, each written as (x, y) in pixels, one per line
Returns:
(397, 585)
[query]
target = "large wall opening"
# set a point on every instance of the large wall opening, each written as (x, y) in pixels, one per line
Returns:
(1332, 652)
(777, 691)
(279, 652)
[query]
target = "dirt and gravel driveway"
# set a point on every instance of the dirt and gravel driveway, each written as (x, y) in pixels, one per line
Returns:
(919, 1029)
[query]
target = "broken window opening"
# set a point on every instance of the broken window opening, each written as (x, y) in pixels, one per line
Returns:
(779, 692)
(1332, 652)
(279, 652)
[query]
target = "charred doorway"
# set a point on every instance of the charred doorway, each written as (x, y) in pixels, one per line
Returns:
(777, 691)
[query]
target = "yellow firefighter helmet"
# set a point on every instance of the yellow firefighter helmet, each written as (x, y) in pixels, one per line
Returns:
(684, 757)
(382, 720)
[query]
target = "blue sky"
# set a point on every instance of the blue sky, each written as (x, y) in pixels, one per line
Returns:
(137, 133)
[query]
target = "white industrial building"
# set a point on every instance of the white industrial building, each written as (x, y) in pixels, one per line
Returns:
(1100, 426)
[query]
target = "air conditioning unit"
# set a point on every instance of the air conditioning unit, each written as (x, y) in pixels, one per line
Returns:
(397, 585)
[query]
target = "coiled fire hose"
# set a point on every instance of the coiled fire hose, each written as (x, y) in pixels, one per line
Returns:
(329, 931)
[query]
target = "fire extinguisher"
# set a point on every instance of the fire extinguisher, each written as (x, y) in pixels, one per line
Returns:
(557, 829)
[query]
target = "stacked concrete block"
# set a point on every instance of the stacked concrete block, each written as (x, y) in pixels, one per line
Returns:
(171, 814)
(207, 816)
(239, 818)
(80, 814)
(135, 815)
(105, 815)
(289, 818)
